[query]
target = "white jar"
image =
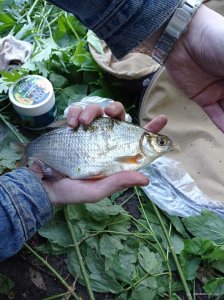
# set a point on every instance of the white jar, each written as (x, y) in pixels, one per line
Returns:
(33, 99)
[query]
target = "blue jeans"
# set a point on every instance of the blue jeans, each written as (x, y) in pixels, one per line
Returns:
(24, 208)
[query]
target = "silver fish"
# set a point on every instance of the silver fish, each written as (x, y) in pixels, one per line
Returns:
(105, 147)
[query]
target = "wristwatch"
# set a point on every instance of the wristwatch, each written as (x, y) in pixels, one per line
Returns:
(176, 26)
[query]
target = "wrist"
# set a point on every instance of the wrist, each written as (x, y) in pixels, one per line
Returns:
(176, 27)
(147, 46)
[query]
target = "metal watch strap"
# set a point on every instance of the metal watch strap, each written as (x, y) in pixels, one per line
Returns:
(176, 26)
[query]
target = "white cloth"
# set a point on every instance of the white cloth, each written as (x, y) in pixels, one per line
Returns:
(103, 102)
(13, 52)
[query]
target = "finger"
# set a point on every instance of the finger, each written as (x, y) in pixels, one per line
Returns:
(86, 191)
(216, 113)
(157, 124)
(115, 110)
(118, 182)
(73, 116)
(91, 112)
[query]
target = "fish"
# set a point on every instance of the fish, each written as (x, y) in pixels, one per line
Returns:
(105, 147)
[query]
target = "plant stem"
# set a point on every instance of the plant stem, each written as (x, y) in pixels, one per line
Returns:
(31, 10)
(183, 280)
(56, 296)
(58, 276)
(12, 129)
(79, 256)
(143, 278)
(71, 27)
(125, 201)
(157, 242)
(138, 235)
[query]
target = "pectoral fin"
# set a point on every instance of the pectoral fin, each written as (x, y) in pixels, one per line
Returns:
(46, 171)
(136, 159)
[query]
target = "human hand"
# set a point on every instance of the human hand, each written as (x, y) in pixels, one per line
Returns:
(196, 64)
(66, 190)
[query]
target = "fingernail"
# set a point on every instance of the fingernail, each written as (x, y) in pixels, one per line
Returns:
(113, 108)
(85, 117)
(72, 121)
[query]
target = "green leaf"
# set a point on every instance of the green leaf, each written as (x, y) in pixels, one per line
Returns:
(99, 280)
(143, 293)
(151, 262)
(4, 86)
(197, 251)
(74, 267)
(177, 243)
(122, 296)
(8, 156)
(104, 209)
(6, 21)
(57, 233)
(10, 76)
(121, 223)
(52, 249)
(79, 58)
(58, 81)
(110, 245)
(8, 159)
(215, 287)
(190, 266)
(149, 215)
(218, 266)
(117, 266)
(64, 39)
(6, 284)
(175, 297)
(178, 225)
(46, 51)
(207, 226)
(81, 218)
(104, 284)
(25, 31)
(94, 41)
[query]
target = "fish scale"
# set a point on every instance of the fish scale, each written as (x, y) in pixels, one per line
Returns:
(105, 147)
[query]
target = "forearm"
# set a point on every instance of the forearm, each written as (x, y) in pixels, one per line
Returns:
(24, 208)
(122, 24)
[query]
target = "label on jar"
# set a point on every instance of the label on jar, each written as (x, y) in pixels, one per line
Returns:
(31, 90)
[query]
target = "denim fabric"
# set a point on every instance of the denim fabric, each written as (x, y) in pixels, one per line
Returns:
(24, 208)
(122, 24)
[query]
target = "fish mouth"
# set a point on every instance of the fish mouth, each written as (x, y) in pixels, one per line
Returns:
(175, 147)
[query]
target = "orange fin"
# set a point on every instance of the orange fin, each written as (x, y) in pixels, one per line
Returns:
(96, 177)
(136, 159)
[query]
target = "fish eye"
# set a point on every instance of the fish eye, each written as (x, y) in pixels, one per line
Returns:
(161, 141)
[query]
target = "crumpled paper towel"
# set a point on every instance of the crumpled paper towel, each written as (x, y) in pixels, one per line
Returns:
(13, 52)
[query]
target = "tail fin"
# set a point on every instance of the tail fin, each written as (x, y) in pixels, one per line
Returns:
(18, 147)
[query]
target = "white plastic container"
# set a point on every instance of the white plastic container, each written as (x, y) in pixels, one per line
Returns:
(33, 99)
